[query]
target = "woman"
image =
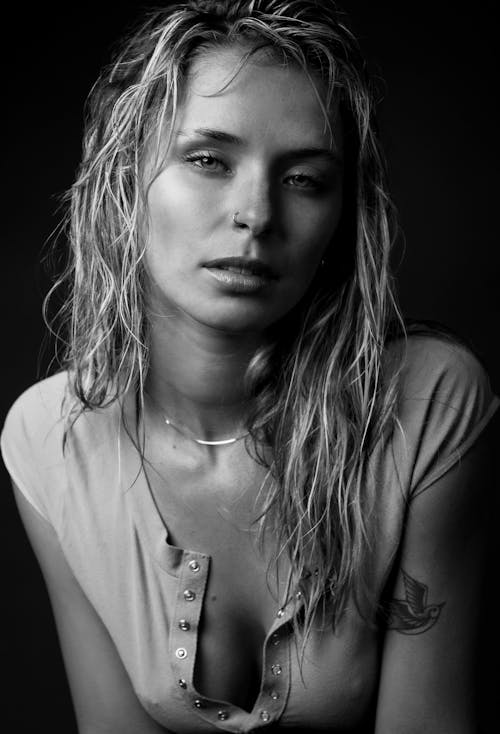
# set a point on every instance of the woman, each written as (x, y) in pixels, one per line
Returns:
(256, 501)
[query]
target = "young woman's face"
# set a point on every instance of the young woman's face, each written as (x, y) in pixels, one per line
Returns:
(259, 148)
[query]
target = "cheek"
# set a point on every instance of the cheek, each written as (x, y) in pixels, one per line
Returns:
(167, 205)
(176, 210)
(313, 230)
(168, 231)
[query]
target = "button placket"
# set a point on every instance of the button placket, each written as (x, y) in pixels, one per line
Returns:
(276, 683)
(275, 639)
(191, 586)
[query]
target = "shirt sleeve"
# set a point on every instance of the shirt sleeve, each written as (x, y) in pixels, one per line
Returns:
(447, 402)
(31, 444)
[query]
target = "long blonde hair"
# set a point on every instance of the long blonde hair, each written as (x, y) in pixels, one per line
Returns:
(319, 399)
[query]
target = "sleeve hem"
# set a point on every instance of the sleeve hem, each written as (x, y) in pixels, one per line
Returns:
(459, 452)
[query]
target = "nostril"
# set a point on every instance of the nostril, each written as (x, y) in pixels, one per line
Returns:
(257, 222)
(236, 222)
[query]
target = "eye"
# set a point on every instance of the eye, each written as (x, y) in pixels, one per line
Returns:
(206, 161)
(303, 181)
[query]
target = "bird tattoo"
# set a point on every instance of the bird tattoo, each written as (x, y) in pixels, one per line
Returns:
(413, 615)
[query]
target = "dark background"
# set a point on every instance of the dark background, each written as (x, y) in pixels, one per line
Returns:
(437, 123)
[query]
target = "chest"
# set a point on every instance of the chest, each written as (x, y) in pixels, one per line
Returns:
(236, 649)
(215, 513)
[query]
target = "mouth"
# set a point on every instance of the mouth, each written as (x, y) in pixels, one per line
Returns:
(240, 275)
(243, 266)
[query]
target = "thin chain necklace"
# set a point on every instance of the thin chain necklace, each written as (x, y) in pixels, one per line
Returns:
(201, 441)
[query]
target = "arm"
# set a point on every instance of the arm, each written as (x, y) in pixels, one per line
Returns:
(428, 675)
(104, 700)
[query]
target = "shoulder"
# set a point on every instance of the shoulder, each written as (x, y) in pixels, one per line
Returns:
(43, 445)
(445, 402)
(438, 371)
(433, 361)
(37, 412)
(32, 438)
(44, 412)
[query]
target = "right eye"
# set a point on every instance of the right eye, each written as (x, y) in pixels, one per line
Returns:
(206, 161)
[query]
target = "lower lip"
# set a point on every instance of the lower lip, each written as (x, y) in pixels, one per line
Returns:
(239, 282)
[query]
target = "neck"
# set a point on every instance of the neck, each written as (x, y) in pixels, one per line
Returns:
(196, 376)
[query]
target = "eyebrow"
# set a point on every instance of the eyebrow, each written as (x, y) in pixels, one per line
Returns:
(223, 137)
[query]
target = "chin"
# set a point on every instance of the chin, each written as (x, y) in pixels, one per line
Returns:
(236, 323)
(236, 317)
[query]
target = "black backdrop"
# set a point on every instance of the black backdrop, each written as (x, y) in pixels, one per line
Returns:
(437, 124)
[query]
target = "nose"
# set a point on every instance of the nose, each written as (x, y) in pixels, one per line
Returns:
(254, 209)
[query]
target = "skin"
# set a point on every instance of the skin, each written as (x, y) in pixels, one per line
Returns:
(289, 206)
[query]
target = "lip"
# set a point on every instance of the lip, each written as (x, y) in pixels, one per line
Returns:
(244, 265)
(240, 274)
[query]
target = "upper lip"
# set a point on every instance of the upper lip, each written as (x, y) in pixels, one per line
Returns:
(253, 265)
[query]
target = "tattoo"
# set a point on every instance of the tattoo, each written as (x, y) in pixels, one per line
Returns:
(413, 615)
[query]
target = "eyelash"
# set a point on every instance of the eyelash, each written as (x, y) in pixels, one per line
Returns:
(195, 158)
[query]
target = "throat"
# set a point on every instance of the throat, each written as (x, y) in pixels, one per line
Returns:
(197, 378)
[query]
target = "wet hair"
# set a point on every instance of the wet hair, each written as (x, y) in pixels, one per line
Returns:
(317, 388)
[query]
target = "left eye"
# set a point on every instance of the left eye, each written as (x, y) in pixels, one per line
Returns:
(301, 181)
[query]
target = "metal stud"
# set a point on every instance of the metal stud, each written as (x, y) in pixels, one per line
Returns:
(194, 566)
(223, 715)
(198, 703)
(189, 595)
(184, 625)
(280, 612)
(275, 639)
(181, 653)
(182, 683)
(276, 669)
(274, 695)
(265, 716)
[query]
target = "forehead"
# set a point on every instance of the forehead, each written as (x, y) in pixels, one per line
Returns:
(264, 98)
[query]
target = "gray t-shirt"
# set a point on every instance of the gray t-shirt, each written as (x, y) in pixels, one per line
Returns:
(98, 501)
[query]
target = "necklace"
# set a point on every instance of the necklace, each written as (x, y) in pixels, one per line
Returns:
(201, 441)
